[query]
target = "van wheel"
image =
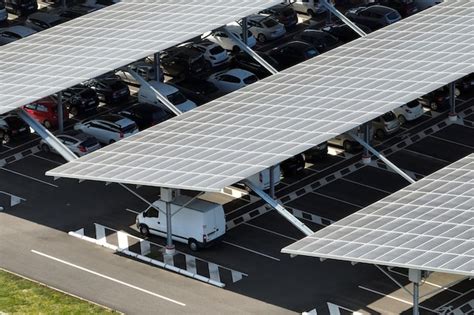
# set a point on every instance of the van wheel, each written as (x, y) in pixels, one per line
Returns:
(380, 134)
(347, 145)
(193, 245)
(402, 119)
(144, 230)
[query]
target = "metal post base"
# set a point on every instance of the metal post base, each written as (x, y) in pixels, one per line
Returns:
(453, 117)
(366, 159)
(170, 250)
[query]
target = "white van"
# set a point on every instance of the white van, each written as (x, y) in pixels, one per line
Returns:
(262, 179)
(309, 7)
(199, 224)
(147, 95)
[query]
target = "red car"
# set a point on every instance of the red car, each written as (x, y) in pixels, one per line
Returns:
(45, 111)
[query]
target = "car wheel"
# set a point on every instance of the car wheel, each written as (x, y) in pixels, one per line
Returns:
(47, 124)
(261, 38)
(380, 134)
(193, 245)
(402, 119)
(74, 111)
(144, 230)
(347, 145)
(45, 148)
(434, 106)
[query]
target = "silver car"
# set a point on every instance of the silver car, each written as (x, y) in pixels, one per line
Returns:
(264, 27)
(385, 125)
(79, 143)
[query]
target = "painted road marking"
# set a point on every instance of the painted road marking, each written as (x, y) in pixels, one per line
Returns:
(270, 231)
(46, 159)
(250, 250)
(29, 177)
(368, 186)
(453, 142)
(427, 156)
(337, 199)
(108, 278)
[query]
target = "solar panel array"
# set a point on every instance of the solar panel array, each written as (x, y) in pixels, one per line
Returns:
(91, 45)
(242, 133)
(428, 225)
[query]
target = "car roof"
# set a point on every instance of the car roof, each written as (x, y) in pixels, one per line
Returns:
(380, 9)
(237, 72)
(113, 118)
(297, 44)
(45, 17)
(75, 134)
(163, 88)
(259, 17)
(21, 30)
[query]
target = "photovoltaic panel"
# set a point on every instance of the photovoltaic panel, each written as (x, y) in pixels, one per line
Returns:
(244, 132)
(428, 225)
(60, 57)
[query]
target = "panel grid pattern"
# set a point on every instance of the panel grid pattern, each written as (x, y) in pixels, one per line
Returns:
(91, 45)
(428, 225)
(244, 132)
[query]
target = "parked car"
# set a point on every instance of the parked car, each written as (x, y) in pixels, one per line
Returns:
(45, 111)
(375, 16)
(292, 53)
(264, 27)
(438, 99)
(317, 153)
(181, 61)
(13, 33)
(214, 54)
(221, 38)
(3, 13)
(409, 112)
(404, 7)
(145, 115)
(40, 20)
(348, 143)
(309, 7)
(231, 80)
(109, 88)
(466, 84)
(108, 128)
(80, 99)
(147, 95)
(197, 90)
(292, 166)
(343, 32)
(284, 13)
(322, 41)
(12, 127)
(79, 143)
(385, 125)
(21, 7)
(244, 61)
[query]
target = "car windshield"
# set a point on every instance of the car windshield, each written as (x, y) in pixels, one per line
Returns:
(389, 116)
(216, 50)
(128, 128)
(413, 104)
(176, 98)
(393, 15)
(89, 142)
(270, 23)
(250, 79)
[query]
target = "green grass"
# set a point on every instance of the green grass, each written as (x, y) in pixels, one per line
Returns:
(21, 296)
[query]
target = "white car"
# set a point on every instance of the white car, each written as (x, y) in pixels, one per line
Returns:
(231, 80)
(221, 38)
(147, 95)
(13, 33)
(264, 27)
(409, 111)
(108, 128)
(79, 143)
(214, 54)
(309, 7)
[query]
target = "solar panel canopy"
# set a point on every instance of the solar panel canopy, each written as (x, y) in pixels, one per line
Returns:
(60, 57)
(428, 225)
(244, 132)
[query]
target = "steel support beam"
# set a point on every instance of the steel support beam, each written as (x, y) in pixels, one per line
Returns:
(278, 207)
(272, 182)
(60, 112)
(366, 155)
(415, 277)
(343, 18)
(245, 31)
(45, 134)
(249, 51)
(383, 158)
(166, 195)
(452, 102)
(160, 97)
(156, 66)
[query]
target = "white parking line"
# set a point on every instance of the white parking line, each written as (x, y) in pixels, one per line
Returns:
(428, 282)
(337, 199)
(251, 250)
(46, 159)
(27, 176)
(108, 278)
(427, 156)
(270, 231)
(368, 186)
(453, 142)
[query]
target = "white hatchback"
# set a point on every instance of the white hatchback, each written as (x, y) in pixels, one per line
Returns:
(231, 80)
(409, 111)
(264, 27)
(221, 38)
(108, 128)
(214, 54)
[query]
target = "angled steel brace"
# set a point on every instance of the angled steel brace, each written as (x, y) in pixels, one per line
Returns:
(249, 51)
(383, 158)
(160, 96)
(47, 136)
(343, 18)
(278, 207)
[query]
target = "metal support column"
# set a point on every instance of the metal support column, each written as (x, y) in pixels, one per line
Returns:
(156, 66)
(383, 158)
(452, 102)
(278, 207)
(47, 136)
(272, 182)
(249, 51)
(415, 277)
(343, 18)
(60, 112)
(167, 197)
(245, 31)
(160, 97)
(366, 155)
